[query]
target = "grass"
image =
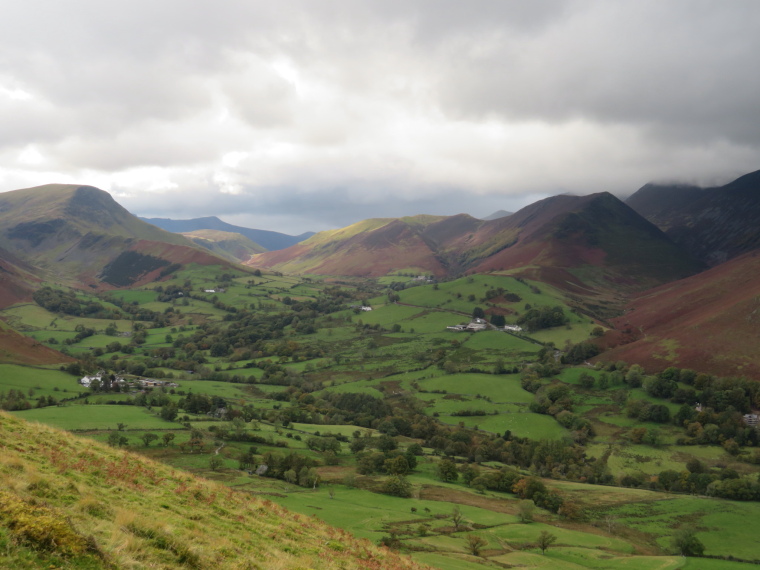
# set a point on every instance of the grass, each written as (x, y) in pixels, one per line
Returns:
(95, 417)
(42, 381)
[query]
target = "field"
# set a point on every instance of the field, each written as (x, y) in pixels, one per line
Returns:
(283, 367)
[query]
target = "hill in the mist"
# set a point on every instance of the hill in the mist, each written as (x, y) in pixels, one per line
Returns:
(712, 224)
(267, 239)
(232, 246)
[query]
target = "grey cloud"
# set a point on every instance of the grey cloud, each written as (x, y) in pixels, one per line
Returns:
(336, 110)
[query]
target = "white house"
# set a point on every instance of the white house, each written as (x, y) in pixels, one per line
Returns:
(513, 328)
(87, 380)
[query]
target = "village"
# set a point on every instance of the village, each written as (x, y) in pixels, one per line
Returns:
(103, 381)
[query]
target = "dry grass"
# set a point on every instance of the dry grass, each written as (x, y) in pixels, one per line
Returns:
(107, 507)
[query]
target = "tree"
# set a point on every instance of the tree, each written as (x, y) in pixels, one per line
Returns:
(447, 471)
(475, 543)
(168, 438)
(169, 412)
(398, 486)
(457, 518)
(148, 438)
(498, 320)
(686, 543)
(478, 313)
(113, 439)
(215, 462)
(525, 510)
(545, 540)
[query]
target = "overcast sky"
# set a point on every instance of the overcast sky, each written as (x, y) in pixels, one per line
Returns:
(308, 115)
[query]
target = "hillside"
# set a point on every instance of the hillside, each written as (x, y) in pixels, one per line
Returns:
(707, 322)
(232, 246)
(81, 236)
(16, 348)
(70, 502)
(712, 224)
(267, 239)
(592, 240)
(370, 248)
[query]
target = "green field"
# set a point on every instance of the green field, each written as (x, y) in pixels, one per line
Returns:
(96, 417)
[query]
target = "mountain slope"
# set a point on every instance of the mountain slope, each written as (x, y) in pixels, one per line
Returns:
(712, 224)
(232, 246)
(16, 348)
(593, 239)
(370, 248)
(80, 235)
(707, 322)
(267, 239)
(75, 503)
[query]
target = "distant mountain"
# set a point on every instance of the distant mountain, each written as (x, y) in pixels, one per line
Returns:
(233, 246)
(707, 322)
(498, 214)
(561, 235)
(712, 224)
(269, 240)
(79, 235)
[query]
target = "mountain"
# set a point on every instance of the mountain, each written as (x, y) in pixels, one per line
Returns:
(81, 236)
(232, 246)
(369, 248)
(269, 240)
(707, 322)
(68, 502)
(712, 224)
(498, 214)
(595, 239)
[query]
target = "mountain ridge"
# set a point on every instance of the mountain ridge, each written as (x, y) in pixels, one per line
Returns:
(713, 224)
(563, 232)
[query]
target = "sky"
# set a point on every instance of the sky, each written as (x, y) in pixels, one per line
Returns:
(308, 115)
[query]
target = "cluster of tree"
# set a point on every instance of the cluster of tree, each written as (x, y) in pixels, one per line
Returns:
(580, 352)
(543, 318)
(66, 302)
(646, 411)
(293, 468)
(697, 478)
(14, 400)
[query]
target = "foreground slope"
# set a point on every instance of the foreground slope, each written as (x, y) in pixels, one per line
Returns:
(713, 224)
(707, 322)
(595, 239)
(74, 502)
(80, 235)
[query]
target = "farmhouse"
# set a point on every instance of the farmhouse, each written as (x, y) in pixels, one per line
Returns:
(513, 328)
(87, 380)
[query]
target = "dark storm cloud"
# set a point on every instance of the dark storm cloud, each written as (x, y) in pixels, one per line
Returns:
(323, 113)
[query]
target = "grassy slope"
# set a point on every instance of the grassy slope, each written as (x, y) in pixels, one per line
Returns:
(68, 501)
